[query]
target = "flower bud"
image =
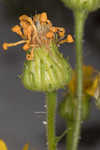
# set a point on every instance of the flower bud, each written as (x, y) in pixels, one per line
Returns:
(88, 5)
(68, 107)
(48, 71)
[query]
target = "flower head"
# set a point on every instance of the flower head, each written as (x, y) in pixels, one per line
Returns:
(3, 145)
(94, 90)
(26, 147)
(91, 87)
(45, 69)
(36, 32)
(86, 5)
(91, 80)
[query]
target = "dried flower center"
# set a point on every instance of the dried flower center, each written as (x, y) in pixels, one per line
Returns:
(37, 32)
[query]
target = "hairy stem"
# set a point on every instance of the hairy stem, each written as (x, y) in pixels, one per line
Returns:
(74, 133)
(70, 129)
(51, 114)
(79, 29)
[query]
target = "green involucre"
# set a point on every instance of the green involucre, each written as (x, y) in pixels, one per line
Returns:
(68, 107)
(48, 71)
(88, 5)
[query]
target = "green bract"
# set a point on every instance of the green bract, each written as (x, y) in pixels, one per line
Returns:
(48, 71)
(68, 107)
(88, 5)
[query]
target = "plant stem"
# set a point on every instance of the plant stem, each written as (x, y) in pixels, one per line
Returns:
(51, 114)
(61, 136)
(70, 129)
(80, 17)
(74, 133)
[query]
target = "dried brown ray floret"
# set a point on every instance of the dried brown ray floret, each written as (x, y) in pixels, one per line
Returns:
(37, 32)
